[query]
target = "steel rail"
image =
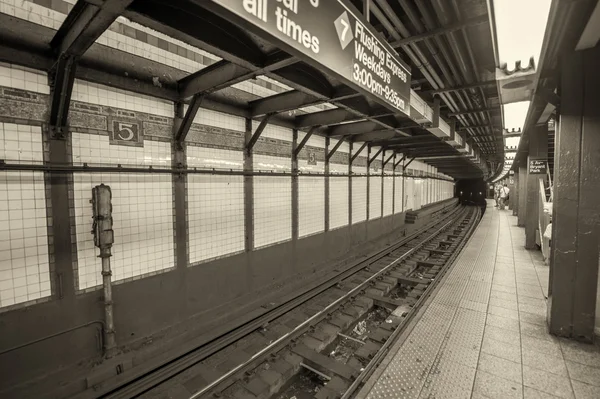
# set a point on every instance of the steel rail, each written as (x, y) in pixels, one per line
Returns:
(376, 360)
(159, 374)
(307, 323)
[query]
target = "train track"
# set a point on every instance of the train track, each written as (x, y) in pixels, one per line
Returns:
(263, 356)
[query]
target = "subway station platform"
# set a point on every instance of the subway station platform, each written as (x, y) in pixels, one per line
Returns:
(483, 333)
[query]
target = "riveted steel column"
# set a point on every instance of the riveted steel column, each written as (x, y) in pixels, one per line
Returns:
(351, 146)
(576, 210)
(248, 192)
(326, 180)
(368, 180)
(294, 185)
(538, 148)
(58, 185)
(522, 193)
(393, 161)
(179, 160)
(514, 195)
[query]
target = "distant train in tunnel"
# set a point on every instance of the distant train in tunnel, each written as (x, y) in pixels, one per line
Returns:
(471, 191)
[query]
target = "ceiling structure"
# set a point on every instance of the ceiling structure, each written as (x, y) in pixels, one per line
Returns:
(447, 44)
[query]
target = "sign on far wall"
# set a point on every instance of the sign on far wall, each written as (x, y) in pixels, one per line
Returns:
(333, 35)
(537, 166)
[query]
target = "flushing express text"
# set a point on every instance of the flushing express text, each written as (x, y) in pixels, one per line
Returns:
(375, 68)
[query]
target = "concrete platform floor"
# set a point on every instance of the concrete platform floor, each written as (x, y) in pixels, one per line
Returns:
(483, 334)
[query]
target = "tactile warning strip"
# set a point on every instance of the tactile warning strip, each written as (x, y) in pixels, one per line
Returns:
(439, 357)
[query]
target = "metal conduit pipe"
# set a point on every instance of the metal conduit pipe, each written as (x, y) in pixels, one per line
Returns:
(472, 59)
(415, 54)
(415, 20)
(443, 15)
(430, 23)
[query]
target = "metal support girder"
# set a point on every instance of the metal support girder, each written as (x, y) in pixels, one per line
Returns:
(328, 117)
(367, 9)
(62, 79)
(282, 102)
(335, 147)
(409, 162)
(399, 161)
(353, 157)
(386, 161)
(440, 31)
(512, 134)
(257, 133)
(463, 128)
(462, 87)
(186, 122)
(301, 145)
(212, 78)
(473, 111)
(84, 24)
(223, 74)
(370, 161)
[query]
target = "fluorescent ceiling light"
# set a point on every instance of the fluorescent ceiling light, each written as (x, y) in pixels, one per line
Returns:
(520, 28)
(514, 115)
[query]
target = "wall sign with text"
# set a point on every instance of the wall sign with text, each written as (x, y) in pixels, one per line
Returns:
(537, 166)
(330, 34)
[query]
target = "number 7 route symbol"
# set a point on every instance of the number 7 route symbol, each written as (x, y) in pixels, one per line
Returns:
(346, 25)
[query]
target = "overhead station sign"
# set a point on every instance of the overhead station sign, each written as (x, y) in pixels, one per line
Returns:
(334, 36)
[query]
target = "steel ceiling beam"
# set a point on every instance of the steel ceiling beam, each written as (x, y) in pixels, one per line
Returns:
(463, 128)
(409, 162)
(80, 29)
(257, 133)
(474, 111)
(385, 162)
(357, 153)
(301, 145)
(399, 161)
(223, 74)
(282, 102)
(186, 122)
(462, 87)
(440, 31)
(84, 24)
(370, 161)
(335, 148)
(328, 117)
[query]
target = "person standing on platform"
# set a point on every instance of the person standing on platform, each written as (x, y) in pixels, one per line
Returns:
(497, 195)
(504, 191)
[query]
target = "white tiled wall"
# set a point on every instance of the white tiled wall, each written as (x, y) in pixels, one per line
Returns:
(103, 95)
(399, 198)
(359, 194)
(96, 150)
(24, 266)
(32, 12)
(375, 187)
(311, 198)
(18, 77)
(215, 204)
(272, 201)
(142, 210)
(388, 193)
(338, 196)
